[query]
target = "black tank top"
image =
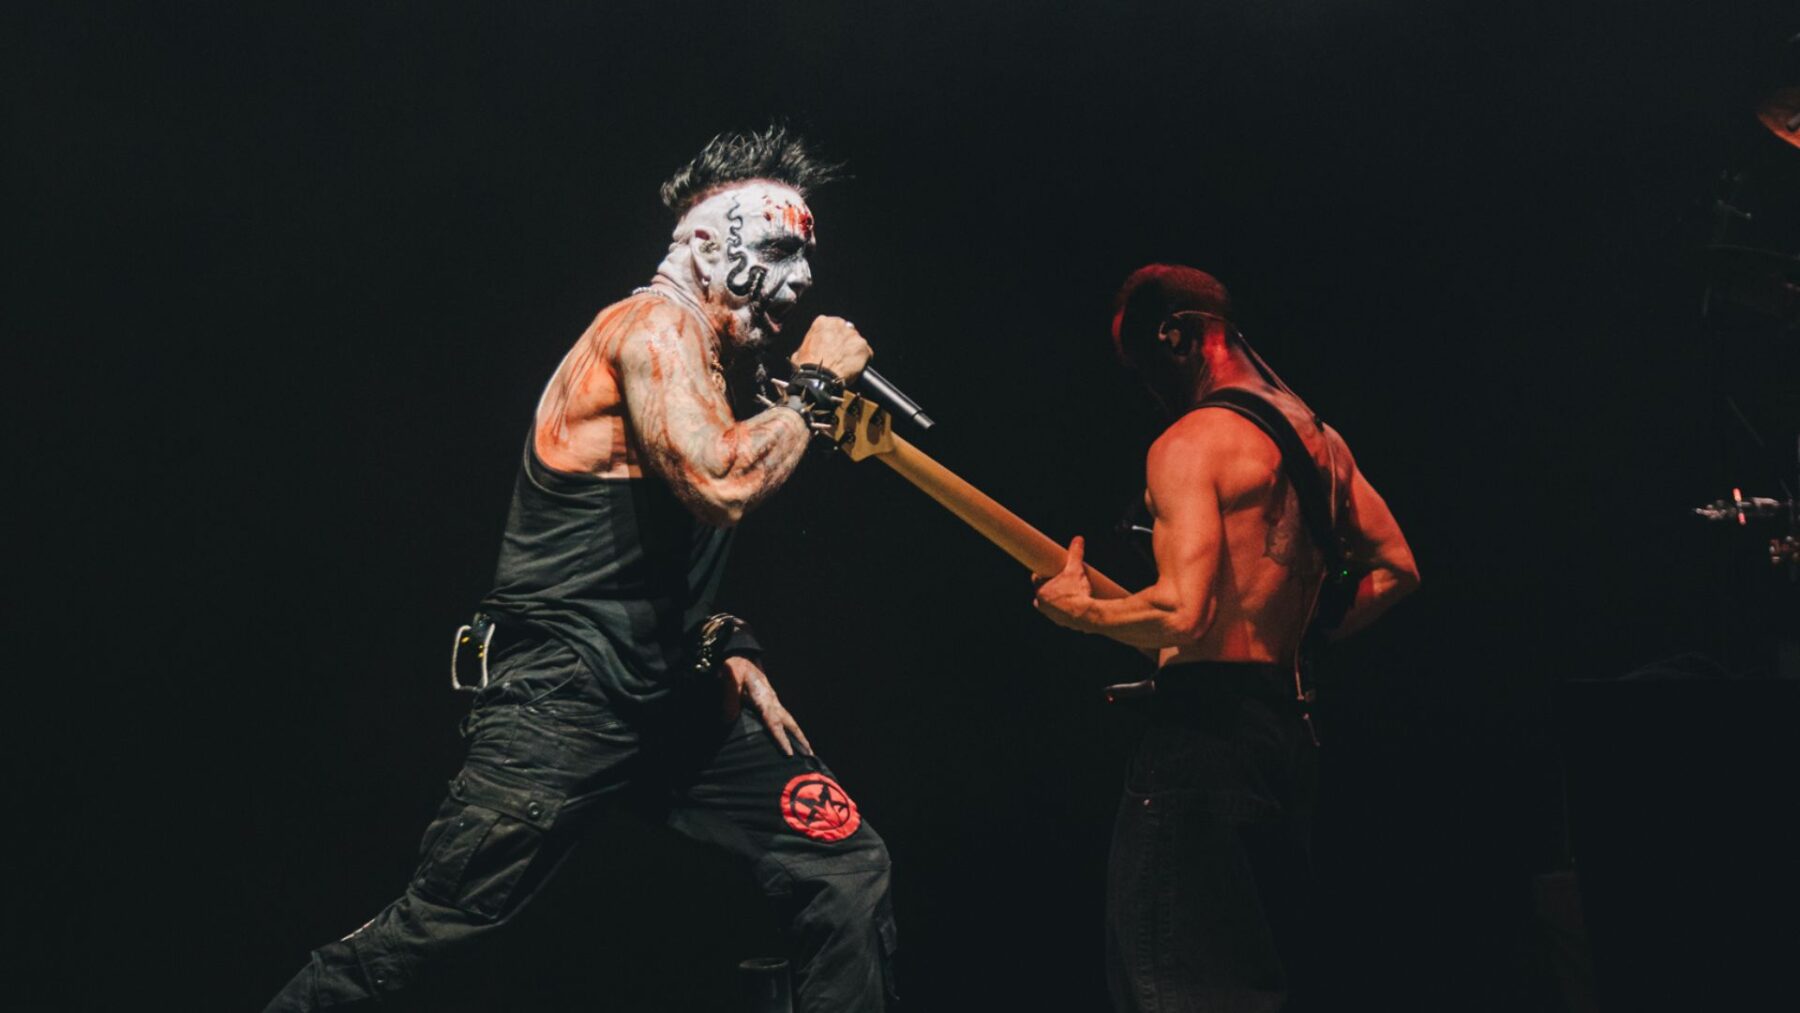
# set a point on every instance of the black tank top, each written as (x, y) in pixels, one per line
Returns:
(615, 568)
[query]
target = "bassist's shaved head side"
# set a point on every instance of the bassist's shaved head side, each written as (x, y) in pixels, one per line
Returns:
(1155, 292)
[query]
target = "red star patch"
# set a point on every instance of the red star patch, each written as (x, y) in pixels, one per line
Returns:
(818, 807)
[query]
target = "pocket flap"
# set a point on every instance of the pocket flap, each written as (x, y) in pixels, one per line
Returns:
(537, 808)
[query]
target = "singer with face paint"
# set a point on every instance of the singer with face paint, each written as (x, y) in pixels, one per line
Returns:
(598, 661)
(1250, 496)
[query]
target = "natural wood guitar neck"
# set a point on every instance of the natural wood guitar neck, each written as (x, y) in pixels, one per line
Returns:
(864, 430)
(978, 510)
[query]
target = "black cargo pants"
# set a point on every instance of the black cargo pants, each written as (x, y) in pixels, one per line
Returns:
(544, 745)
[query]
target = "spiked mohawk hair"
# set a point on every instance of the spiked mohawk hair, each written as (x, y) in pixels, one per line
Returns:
(773, 154)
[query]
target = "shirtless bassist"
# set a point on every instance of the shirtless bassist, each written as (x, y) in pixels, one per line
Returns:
(1210, 860)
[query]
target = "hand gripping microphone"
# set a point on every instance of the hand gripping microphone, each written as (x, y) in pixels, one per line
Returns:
(881, 389)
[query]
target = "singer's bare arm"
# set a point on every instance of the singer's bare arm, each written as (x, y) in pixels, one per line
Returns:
(1376, 545)
(642, 386)
(674, 396)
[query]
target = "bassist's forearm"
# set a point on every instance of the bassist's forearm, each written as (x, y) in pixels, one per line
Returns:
(1376, 592)
(1147, 620)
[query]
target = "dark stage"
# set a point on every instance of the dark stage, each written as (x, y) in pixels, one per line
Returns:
(287, 281)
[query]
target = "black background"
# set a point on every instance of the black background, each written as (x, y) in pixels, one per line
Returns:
(287, 281)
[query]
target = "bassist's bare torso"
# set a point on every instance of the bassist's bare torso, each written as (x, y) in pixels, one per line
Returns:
(1269, 569)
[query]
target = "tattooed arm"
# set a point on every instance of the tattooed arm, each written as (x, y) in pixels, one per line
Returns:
(717, 466)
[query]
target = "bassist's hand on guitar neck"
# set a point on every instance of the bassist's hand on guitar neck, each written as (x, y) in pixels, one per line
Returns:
(1066, 597)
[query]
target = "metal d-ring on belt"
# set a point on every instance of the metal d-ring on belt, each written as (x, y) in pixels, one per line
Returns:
(477, 634)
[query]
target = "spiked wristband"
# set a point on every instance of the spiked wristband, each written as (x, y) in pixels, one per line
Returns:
(814, 392)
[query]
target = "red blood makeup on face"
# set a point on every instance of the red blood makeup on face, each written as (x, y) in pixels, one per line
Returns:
(797, 220)
(794, 218)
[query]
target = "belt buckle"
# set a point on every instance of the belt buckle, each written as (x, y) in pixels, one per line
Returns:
(476, 635)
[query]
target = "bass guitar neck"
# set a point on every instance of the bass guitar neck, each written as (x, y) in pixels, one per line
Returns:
(864, 430)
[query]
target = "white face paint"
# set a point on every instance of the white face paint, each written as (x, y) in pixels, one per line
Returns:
(749, 245)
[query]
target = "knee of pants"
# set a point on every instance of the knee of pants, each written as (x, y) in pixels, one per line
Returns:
(850, 882)
(845, 936)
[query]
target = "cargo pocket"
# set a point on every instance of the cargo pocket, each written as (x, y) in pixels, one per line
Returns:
(489, 838)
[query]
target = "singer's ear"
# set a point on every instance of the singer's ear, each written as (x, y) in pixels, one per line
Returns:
(705, 248)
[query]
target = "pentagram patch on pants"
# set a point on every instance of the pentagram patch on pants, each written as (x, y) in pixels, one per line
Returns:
(817, 806)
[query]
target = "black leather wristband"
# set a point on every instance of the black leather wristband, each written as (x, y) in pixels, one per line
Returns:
(723, 635)
(742, 644)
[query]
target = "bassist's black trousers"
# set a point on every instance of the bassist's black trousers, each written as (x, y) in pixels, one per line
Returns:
(544, 746)
(1209, 883)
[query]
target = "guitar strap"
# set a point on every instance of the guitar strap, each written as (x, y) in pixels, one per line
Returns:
(1315, 509)
(1301, 470)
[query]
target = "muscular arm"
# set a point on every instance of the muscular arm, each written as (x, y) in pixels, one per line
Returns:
(1187, 539)
(1377, 548)
(717, 466)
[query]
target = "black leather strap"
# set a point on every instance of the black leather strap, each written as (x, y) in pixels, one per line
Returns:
(1302, 472)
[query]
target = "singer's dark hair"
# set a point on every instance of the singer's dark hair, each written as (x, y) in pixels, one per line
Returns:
(774, 153)
(1151, 294)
